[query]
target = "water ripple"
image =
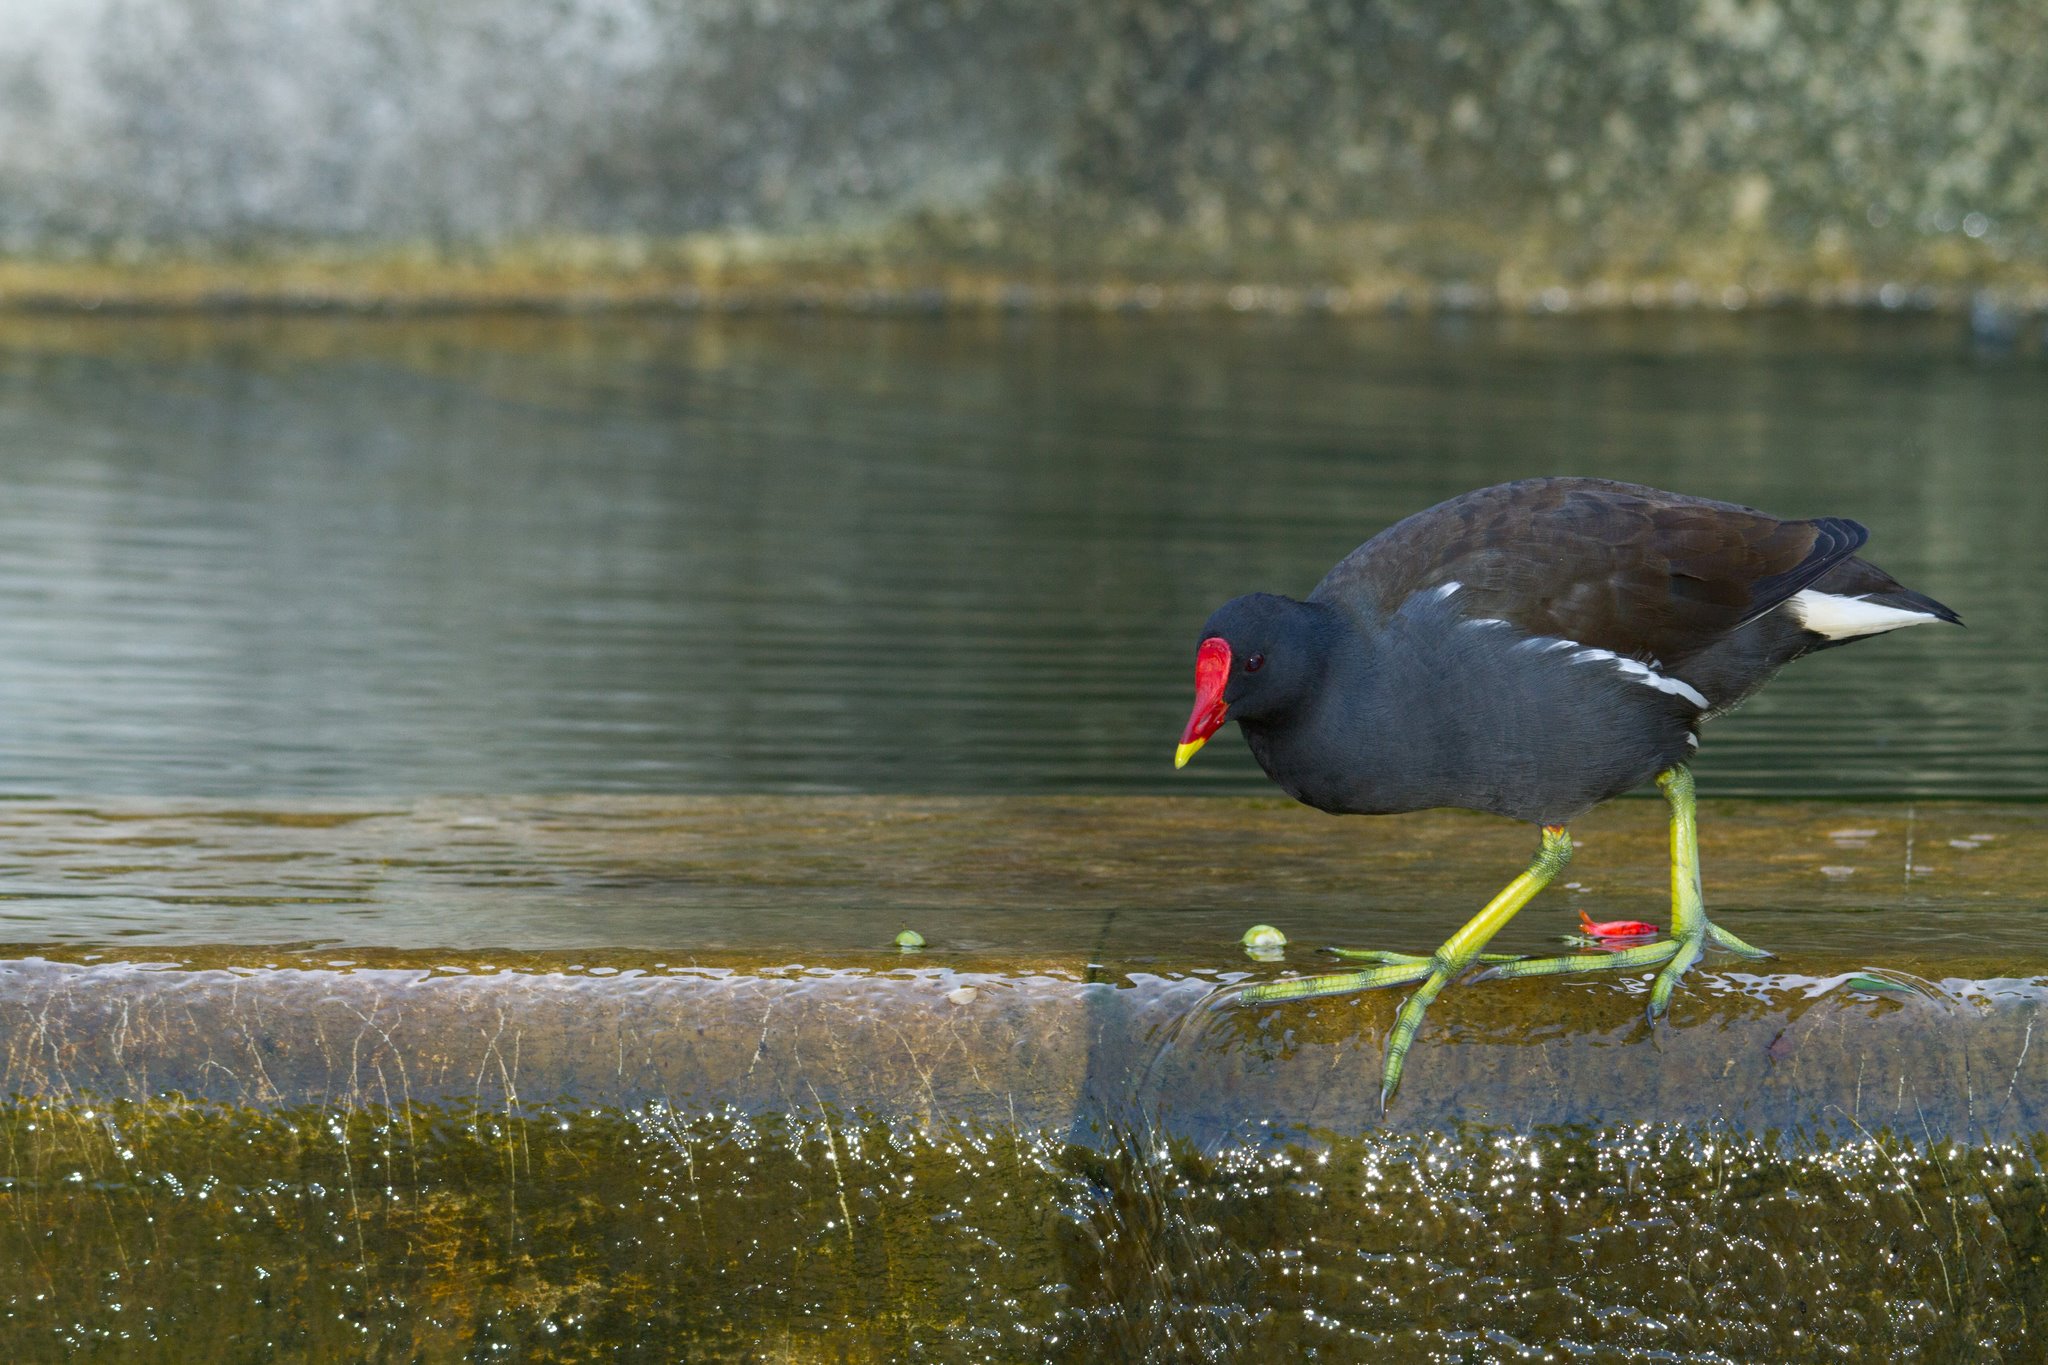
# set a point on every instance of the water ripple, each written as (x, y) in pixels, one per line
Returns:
(332, 557)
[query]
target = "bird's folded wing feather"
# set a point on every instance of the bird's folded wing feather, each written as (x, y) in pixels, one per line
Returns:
(1641, 572)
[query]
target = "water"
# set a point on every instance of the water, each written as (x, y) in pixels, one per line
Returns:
(466, 776)
(330, 557)
(1081, 882)
(449, 1235)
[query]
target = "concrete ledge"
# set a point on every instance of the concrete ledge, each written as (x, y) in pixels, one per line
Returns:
(1026, 1048)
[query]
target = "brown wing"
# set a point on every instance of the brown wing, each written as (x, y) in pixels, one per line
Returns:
(1642, 572)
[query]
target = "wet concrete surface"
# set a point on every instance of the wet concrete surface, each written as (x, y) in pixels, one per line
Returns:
(1032, 1140)
(1044, 1049)
(972, 1163)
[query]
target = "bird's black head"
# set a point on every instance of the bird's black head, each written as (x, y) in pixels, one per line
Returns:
(1260, 656)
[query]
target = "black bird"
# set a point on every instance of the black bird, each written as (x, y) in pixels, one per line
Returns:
(1531, 650)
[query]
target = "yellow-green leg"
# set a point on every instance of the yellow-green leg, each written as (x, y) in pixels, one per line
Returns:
(1437, 970)
(1691, 930)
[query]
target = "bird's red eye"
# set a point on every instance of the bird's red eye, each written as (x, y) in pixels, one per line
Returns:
(1254, 663)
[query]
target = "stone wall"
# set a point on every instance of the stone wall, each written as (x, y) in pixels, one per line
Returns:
(1563, 152)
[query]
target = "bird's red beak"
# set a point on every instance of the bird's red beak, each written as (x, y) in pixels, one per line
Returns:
(1212, 671)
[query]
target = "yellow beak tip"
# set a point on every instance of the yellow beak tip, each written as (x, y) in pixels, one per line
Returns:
(1186, 752)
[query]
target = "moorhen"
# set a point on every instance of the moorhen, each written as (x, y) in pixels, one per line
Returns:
(1531, 650)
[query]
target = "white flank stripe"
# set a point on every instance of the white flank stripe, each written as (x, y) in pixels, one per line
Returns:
(1447, 589)
(1642, 673)
(1845, 618)
(1635, 670)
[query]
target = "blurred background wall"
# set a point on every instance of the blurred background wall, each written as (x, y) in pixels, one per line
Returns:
(1562, 153)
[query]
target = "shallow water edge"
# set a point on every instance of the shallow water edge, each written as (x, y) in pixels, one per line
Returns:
(1072, 880)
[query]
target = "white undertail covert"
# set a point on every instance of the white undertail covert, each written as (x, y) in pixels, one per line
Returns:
(1845, 618)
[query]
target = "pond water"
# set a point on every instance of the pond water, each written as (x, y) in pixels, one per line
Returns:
(316, 557)
(464, 778)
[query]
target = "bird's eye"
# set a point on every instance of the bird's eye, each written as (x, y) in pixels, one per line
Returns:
(1255, 663)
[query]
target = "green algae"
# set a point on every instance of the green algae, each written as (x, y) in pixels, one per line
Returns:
(441, 1233)
(1413, 267)
(151, 1231)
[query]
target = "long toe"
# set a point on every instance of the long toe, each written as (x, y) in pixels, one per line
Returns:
(1407, 1023)
(1689, 949)
(1437, 970)
(1337, 983)
(1642, 955)
(1677, 956)
(1721, 938)
(1383, 956)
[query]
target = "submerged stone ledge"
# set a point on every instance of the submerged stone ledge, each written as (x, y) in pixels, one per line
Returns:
(1064, 880)
(736, 954)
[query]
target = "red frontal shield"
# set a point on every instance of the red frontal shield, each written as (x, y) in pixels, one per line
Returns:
(1212, 671)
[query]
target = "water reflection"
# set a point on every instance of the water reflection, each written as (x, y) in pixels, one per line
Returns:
(357, 557)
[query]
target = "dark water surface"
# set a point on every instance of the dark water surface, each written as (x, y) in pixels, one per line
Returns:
(358, 557)
(470, 774)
